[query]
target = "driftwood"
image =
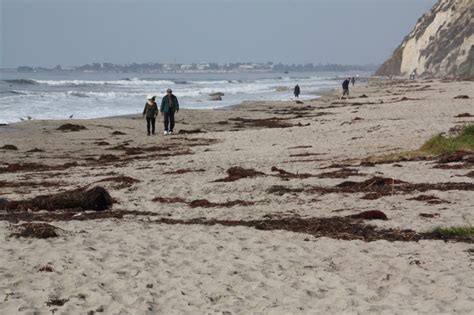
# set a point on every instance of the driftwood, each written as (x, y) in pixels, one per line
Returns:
(96, 198)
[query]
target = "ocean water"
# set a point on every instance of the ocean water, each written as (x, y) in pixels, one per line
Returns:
(94, 95)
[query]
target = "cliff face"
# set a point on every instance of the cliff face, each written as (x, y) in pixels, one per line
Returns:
(441, 44)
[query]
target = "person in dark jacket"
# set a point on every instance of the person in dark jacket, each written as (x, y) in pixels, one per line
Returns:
(169, 105)
(150, 112)
(297, 91)
(345, 87)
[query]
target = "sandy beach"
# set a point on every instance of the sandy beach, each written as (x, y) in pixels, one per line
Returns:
(214, 219)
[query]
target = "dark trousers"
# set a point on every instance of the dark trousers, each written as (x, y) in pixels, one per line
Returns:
(150, 121)
(169, 121)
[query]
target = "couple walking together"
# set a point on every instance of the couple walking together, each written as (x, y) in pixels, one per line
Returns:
(169, 105)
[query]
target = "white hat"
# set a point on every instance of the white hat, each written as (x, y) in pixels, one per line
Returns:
(150, 97)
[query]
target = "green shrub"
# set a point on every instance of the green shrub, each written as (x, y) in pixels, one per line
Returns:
(440, 144)
(454, 231)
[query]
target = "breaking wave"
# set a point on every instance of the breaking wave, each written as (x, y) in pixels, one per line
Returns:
(20, 81)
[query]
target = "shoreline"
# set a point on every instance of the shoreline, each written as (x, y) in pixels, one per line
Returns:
(250, 209)
(326, 91)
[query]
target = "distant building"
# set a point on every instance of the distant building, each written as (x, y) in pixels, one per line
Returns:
(203, 66)
(171, 67)
(246, 67)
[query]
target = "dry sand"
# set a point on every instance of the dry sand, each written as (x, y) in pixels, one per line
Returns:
(137, 265)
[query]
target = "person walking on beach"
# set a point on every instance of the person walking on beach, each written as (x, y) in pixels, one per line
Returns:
(150, 112)
(353, 81)
(345, 87)
(297, 91)
(169, 105)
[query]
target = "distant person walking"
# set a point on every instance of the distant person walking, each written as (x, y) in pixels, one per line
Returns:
(150, 112)
(345, 87)
(169, 105)
(353, 81)
(297, 91)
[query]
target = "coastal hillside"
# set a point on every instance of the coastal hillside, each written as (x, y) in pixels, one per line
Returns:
(441, 44)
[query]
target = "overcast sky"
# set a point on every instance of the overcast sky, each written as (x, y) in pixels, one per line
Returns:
(74, 32)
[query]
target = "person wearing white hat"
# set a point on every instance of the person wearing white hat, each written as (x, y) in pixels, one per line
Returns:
(169, 105)
(150, 112)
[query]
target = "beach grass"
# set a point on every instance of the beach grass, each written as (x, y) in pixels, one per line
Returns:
(454, 231)
(435, 146)
(441, 144)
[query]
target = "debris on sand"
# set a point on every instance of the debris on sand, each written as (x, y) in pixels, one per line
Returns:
(9, 147)
(342, 228)
(281, 190)
(35, 230)
(188, 132)
(46, 268)
(457, 156)
(429, 215)
(463, 115)
(463, 160)
(56, 302)
(101, 143)
(71, 127)
(203, 203)
(376, 187)
(96, 198)
(429, 199)
(108, 158)
(300, 147)
(42, 184)
(461, 97)
(371, 196)
(236, 173)
(386, 186)
(342, 173)
(273, 122)
(184, 171)
(28, 167)
(370, 215)
(34, 150)
(287, 175)
(374, 184)
(118, 133)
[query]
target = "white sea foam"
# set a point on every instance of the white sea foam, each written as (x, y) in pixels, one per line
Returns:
(131, 82)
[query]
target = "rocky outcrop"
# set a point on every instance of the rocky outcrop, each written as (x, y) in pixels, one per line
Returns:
(216, 96)
(440, 45)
